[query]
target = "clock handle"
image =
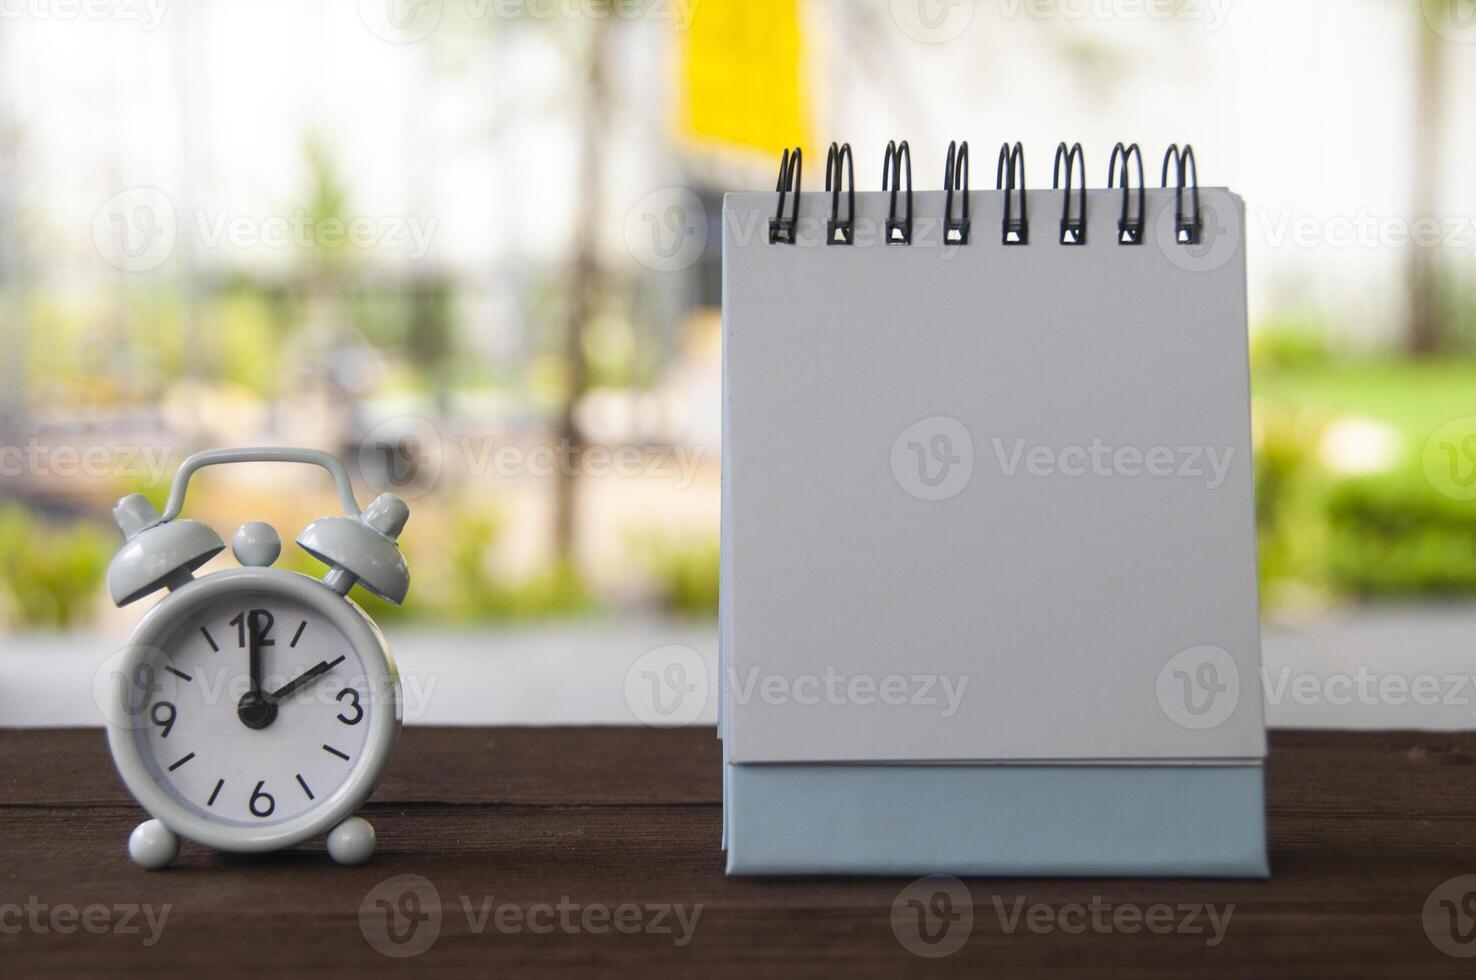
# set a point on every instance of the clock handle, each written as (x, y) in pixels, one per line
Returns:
(215, 457)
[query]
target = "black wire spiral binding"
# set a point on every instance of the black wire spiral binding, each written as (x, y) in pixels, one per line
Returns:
(1129, 231)
(782, 230)
(838, 232)
(956, 178)
(1187, 231)
(1009, 177)
(1009, 174)
(1073, 230)
(898, 232)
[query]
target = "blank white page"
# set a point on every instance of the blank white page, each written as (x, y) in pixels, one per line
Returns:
(1021, 471)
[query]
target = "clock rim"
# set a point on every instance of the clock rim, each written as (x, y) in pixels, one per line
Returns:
(384, 722)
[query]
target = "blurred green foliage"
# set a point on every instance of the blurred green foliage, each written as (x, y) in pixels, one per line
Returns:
(1322, 534)
(251, 330)
(1384, 534)
(327, 201)
(685, 570)
(469, 591)
(1394, 536)
(1291, 527)
(50, 576)
(1290, 344)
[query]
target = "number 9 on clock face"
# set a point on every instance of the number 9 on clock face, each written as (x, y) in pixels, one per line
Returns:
(255, 716)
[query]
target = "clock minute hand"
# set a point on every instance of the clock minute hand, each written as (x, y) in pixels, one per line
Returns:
(253, 652)
(312, 674)
(256, 710)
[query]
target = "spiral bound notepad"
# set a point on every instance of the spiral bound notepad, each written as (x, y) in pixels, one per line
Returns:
(987, 493)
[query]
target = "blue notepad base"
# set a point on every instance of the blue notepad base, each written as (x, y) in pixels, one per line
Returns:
(998, 820)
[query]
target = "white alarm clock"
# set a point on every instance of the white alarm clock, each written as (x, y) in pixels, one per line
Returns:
(255, 707)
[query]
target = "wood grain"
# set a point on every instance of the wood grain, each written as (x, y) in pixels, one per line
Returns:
(1363, 827)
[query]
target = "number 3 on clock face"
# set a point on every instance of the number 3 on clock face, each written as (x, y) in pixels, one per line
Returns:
(256, 716)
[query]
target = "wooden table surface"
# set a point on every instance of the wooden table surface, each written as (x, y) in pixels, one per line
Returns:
(538, 842)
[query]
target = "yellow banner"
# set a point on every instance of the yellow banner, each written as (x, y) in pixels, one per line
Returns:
(740, 74)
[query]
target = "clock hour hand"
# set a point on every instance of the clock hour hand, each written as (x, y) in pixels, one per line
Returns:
(312, 674)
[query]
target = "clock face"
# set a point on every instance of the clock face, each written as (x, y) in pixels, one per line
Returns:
(253, 709)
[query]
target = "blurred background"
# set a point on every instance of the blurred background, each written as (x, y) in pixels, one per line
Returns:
(472, 246)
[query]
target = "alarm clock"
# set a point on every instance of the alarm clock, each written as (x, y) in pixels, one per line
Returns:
(255, 707)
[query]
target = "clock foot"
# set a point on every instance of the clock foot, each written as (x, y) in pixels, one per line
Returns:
(351, 842)
(153, 845)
